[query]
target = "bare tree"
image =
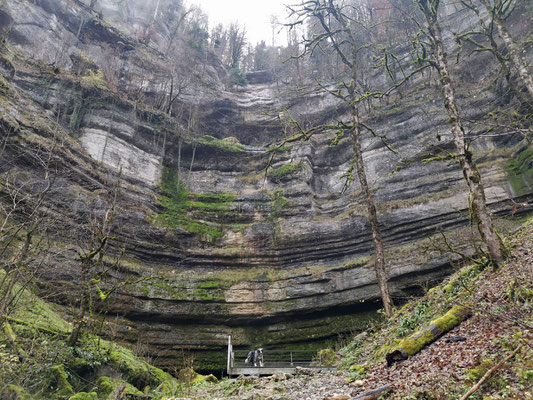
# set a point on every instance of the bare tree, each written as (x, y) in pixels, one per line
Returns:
(236, 42)
(486, 30)
(178, 21)
(499, 10)
(477, 201)
(24, 220)
(341, 29)
(91, 253)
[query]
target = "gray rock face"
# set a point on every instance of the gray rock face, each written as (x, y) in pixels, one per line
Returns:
(275, 258)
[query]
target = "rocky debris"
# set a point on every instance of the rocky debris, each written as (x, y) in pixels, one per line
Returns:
(279, 377)
(303, 371)
(317, 386)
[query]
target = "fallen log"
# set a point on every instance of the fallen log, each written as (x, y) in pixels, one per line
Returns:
(374, 394)
(413, 344)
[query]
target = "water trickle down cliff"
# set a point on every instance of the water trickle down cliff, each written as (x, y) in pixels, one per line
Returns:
(275, 259)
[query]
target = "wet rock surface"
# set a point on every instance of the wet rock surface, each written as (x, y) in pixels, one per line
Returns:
(293, 258)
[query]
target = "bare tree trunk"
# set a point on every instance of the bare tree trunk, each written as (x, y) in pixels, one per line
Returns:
(504, 62)
(7, 295)
(478, 203)
(514, 51)
(377, 240)
(156, 10)
(179, 164)
(192, 163)
(79, 320)
(17, 262)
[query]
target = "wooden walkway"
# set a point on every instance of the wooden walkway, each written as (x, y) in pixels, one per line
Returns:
(275, 362)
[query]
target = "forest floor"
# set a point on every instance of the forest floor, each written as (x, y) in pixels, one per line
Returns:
(501, 302)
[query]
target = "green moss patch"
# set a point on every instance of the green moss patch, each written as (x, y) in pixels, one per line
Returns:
(176, 203)
(56, 370)
(327, 357)
(414, 343)
(84, 396)
(94, 79)
(107, 386)
(278, 149)
(284, 171)
(476, 373)
(64, 388)
(279, 203)
(190, 377)
(520, 170)
(230, 145)
(139, 373)
(14, 392)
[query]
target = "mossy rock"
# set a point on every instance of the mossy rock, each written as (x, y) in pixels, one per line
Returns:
(170, 388)
(136, 371)
(205, 379)
(13, 392)
(84, 396)
(64, 388)
(358, 368)
(284, 172)
(327, 358)
(79, 365)
(230, 144)
(190, 377)
(106, 386)
(187, 375)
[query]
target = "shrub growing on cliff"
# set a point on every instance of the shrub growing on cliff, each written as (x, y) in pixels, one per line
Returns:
(284, 171)
(94, 79)
(239, 77)
(175, 204)
(226, 144)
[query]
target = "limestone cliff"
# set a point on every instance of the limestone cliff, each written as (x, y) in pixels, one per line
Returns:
(275, 258)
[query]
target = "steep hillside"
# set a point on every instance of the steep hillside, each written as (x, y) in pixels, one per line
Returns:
(37, 362)
(210, 243)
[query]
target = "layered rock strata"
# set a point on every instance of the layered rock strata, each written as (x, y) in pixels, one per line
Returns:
(277, 257)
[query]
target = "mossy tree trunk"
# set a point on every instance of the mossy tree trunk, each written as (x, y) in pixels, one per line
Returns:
(344, 38)
(478, 203)
(377, 240)
(494, 49)
(353, 99)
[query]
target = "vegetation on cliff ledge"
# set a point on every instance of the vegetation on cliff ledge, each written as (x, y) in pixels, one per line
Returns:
(176, 202)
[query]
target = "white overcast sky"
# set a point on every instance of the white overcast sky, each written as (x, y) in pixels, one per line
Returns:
(254, 14)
